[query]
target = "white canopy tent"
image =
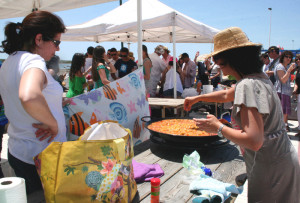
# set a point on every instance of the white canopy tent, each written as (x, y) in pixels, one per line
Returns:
(160, 23)
(20, 8)
(158, 20)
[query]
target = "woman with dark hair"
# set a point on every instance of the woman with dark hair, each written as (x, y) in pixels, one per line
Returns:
(282, 84)
(147, 65)
(271, 161)
(297, 89)
(77, 81)
(100, 71)
(167, 80)
(32, 98)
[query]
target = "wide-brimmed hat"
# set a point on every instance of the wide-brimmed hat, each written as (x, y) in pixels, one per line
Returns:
(231, 38)
(166, 49)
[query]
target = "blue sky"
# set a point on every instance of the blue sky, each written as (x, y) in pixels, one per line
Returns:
(252, 16)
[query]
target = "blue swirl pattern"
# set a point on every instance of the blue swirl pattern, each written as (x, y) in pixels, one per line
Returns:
(119, 112)
(134, 80)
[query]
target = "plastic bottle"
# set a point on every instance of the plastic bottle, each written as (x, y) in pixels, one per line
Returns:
(207, 171)
(155, 190)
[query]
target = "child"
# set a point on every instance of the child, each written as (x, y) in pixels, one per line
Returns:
(101, 67)
(77, 81)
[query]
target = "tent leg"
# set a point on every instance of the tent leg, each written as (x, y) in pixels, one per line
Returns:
(140, 28)
(174, 63)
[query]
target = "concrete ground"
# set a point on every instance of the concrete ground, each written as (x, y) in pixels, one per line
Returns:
(8, 172)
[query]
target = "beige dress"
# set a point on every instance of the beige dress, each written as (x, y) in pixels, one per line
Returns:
(273, 171)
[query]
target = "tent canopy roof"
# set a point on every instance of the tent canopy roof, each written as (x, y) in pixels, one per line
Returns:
(20, 8)
(120, 24)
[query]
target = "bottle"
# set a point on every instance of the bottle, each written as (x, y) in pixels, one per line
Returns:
(207, 171)
(155, 189)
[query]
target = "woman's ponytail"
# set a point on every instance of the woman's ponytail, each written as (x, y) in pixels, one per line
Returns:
(13, 42)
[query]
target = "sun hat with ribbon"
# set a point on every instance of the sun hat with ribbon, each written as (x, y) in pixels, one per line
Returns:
(231, 38)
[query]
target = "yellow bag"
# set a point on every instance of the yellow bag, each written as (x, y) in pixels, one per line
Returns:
(89, 170)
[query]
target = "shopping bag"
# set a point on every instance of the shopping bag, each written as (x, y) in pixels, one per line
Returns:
(95, 168)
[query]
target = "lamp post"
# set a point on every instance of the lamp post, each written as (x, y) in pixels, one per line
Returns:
(122, 44)
(293, 44)
(270, 9)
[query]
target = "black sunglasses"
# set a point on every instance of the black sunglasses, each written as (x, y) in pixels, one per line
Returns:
(123, 55)
(113, 54)
(288, 57)
(297, 60)
(55, 42)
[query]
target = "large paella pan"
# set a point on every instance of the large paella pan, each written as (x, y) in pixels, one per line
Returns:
(180, 133)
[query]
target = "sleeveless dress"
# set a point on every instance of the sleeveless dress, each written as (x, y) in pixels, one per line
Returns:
(147, 82)
(273, 171)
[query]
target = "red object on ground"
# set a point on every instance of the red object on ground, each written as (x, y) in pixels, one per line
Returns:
(155, 189)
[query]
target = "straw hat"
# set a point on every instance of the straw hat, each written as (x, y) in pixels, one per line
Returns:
(166, 49)
(231, 38)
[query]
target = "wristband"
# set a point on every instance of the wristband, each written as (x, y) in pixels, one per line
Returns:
(220, 131)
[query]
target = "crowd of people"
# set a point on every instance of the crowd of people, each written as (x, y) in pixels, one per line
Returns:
(261, 96)
(158, 80)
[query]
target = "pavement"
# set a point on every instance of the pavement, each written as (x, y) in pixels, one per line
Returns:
(242, 198)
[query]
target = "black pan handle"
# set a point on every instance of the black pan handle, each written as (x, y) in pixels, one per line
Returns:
(143, 119)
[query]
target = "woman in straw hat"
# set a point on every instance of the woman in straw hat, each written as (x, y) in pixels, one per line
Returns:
(271, 161)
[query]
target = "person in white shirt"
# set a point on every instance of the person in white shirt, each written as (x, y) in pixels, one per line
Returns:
(158, 66)
(168, 80)
(273, 53)
(89, 58)
(266, 60)
(32, 98)
(88, 64)
(114, 57)
(215, 74)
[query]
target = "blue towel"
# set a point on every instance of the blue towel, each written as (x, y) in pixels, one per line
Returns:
(212, 189)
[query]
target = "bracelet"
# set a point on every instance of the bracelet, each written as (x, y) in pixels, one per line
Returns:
(108, 63)
(220, 131)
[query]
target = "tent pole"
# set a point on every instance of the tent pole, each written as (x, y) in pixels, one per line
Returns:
(174, 60)
(139, 32)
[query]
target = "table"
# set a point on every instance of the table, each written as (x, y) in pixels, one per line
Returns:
(226, 161)
(177, 104)
(167, 103)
